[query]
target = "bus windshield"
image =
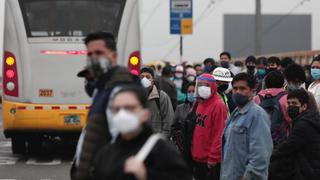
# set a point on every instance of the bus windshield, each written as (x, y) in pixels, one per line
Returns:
(48, 18)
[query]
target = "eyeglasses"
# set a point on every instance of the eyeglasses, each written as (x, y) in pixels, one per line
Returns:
(97, 53)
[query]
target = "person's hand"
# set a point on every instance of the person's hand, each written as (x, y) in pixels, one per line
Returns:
(135, 167)
(211, 165)
(244, 178)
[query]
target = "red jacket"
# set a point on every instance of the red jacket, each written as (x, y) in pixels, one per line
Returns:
(210, 123)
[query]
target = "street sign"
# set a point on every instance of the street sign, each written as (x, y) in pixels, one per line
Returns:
(181, 16)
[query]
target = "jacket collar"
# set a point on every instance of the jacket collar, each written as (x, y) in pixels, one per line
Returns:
(154, 94)
(246, 108)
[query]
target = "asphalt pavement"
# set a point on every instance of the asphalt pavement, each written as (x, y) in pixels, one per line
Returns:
(52, 164)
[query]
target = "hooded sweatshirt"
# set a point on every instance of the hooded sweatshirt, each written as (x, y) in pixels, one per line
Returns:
(211, 116)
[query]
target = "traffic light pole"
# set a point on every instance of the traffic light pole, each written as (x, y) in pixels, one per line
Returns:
(181, 48)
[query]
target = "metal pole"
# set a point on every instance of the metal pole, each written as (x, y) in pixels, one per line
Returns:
(258, 28)
(181, 48)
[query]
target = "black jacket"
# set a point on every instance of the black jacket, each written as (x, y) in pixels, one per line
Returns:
(166, 85)
(163, 163)
(298, 158)
(96, 132)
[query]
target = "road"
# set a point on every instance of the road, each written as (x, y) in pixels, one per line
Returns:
(52, 164)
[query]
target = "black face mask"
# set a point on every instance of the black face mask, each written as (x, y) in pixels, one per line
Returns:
(293, 111)
(225, 64)
(251, 68)
(272, 69)
(223, 88)
(240, 100)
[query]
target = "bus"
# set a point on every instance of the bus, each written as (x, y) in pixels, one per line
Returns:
(43, 52)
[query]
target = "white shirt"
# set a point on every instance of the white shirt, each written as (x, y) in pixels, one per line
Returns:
(314, 88)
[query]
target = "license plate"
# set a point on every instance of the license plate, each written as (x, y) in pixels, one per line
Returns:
(72, 119)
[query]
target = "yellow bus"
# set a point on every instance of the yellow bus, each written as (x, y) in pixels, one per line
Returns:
(44, 51)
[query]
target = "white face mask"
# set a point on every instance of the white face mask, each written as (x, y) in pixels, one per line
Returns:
(204, 92)
(126, 122)
(146, 83)
(191, 78)
(179, 75)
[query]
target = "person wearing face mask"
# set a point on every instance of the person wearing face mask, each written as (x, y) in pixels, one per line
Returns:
(261, 64)
(314, 87)
(209, 65)
(190, 77)
(168, 86)
(225, 62)
(162, 113)
(273, 64)
(296, 78)
(251, 65)
(130, 115)
(198, 69)
(223, 78)
(102, 75)
(211, 115)
(178, 81)
(180, 117)
(247, 142)
(298, 157)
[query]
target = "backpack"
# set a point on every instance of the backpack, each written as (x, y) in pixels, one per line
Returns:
(182, 133)
(272, 106)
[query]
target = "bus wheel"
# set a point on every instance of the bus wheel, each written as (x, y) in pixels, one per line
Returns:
(18, 145)
(34, 145)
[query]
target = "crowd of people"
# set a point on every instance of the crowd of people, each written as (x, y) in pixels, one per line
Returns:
(252, 120)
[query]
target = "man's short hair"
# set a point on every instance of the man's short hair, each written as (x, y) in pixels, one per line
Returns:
(274, 79)
(226, 54)
(274, 60)
(295, 72)
(251, 59)
(299, 94)
(285, 62)
(209, 60)
(261, 60)
(245, 77)
(108, 38)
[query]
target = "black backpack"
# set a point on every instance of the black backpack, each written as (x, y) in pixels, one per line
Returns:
(182, 133)
(272, 106)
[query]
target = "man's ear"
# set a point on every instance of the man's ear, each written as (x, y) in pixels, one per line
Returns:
(304, 107)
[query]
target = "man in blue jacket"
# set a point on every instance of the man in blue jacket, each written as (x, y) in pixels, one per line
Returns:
(247, 143)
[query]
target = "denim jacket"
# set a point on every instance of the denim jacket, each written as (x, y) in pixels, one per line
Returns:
(247, 144)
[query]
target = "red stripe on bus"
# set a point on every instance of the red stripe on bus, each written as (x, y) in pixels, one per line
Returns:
(72, 107)
(22, 108)
(55, 107)
(38, 107)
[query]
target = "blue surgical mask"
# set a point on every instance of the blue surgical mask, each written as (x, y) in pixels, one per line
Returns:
(261, 72)
(191, 97)
(315, 73)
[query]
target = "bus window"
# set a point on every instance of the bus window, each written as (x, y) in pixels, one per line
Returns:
(48, 18)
